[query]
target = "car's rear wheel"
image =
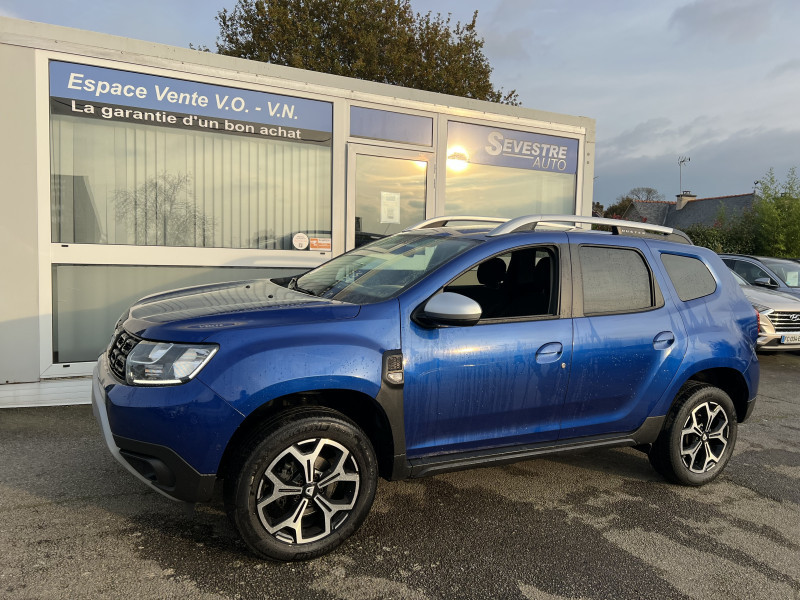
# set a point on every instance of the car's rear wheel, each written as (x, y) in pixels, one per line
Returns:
(302, 485)
(698, 436)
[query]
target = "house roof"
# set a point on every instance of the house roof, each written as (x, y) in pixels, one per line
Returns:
(648, 211)
(704, 211)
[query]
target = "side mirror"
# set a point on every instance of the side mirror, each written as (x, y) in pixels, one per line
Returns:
(449, 308)
(765, 282)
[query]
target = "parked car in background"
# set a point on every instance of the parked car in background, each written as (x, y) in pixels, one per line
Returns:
(779, 316)
(779, 274)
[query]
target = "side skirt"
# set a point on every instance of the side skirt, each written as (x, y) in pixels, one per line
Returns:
(442, 463)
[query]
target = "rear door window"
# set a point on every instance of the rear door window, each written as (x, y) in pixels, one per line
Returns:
(615, 280)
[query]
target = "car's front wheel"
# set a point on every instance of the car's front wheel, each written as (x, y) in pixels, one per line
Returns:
(302, 485)
(698, 436)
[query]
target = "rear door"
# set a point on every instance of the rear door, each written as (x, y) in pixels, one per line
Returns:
(628, 339)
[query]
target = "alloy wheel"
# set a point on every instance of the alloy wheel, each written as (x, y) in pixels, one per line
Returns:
(704, 437)
(308, 491)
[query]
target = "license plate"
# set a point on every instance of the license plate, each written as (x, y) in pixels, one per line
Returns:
(791, 339)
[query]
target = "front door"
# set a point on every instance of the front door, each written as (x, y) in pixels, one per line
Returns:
(387, 191)
(501, 382)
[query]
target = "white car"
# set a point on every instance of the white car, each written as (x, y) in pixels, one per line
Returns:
(779, 316)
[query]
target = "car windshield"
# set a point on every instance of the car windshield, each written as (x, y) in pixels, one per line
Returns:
(788, 271)
(382, 269)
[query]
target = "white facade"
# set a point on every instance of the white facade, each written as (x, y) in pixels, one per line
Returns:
(130, 167)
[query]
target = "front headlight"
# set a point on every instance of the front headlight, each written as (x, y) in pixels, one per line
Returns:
(162, 363)
(760, 307)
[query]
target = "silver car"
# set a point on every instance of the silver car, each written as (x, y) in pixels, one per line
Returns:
(779, 274)
(779, 316)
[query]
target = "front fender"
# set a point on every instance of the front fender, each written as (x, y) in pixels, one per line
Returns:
(256, 366)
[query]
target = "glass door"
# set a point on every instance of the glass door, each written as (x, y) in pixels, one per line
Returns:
(387, 191)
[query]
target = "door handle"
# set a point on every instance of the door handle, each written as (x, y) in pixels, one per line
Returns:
(549, 352)
(663, 340)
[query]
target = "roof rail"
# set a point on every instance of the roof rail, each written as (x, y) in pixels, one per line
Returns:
(442, 221)
(618, 226)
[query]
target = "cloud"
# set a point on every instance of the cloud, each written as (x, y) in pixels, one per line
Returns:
(662, 136)
(521, 9)
(790, 67)
(639, 136)
(730, 20)
(506, 41)
(515, 44)
(720, 167)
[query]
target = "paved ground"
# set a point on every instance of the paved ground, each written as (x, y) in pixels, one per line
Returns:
(74, 524)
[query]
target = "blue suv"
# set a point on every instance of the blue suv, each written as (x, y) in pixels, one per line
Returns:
(458, 343)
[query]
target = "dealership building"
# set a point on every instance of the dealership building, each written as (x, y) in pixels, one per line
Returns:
(130, 167)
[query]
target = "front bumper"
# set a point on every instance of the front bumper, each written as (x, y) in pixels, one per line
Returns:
(774, 328)
(142, 432)
(770, 342)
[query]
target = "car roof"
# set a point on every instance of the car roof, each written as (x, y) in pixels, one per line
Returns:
(489, 227)
(759, 258)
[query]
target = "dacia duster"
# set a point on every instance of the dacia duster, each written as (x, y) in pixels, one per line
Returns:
(460, 342)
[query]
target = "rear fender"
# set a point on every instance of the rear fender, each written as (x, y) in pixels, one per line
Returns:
(742, 389)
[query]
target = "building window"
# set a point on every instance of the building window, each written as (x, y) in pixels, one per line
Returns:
(144, 160)
(146, 186)
(506, 173)
(183, 172)
(88, 299)
(390, 126)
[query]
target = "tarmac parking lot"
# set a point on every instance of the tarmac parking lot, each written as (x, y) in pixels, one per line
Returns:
(75, 524)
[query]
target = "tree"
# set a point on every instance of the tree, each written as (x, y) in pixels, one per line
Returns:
(639, 194)
(617, 210)
(777, 215)
(376, 40)
(736, 236)
(162, 211)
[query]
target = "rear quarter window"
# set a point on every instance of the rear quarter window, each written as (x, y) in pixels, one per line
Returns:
(690, 276)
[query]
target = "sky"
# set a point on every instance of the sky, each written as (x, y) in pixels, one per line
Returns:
(717, 81)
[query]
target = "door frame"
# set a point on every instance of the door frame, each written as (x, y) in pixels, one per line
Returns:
(353, 150)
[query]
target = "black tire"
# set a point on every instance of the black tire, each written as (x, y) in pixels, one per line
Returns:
(698, 436)
(328, 472)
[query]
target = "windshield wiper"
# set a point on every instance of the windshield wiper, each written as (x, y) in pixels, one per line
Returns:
(293, 286)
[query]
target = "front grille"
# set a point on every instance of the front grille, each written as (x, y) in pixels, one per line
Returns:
(118, 351)
(785, 322)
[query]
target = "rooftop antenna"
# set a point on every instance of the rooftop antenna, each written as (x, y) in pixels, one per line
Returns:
(682, 160)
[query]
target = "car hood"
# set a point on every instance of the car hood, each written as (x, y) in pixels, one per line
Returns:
(193, 314)
(775, 300)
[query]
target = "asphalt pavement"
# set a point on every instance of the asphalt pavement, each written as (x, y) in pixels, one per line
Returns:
(596, 525)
